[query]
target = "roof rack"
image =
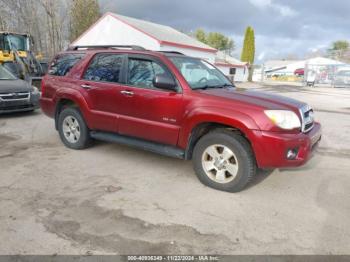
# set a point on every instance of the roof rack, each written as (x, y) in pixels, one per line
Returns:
(172, 52)
(132, 47)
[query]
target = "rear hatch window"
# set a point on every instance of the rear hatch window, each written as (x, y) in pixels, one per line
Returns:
(63, 63)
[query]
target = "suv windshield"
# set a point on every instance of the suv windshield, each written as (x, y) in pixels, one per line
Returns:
(199, 74)
(6, 75)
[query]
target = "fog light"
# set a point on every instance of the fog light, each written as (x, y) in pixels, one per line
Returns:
(292, 153)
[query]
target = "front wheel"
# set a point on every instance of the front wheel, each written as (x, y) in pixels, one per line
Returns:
(72, 129)
(224, 160)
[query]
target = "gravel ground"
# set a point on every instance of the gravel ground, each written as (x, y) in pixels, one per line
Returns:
(112, 199)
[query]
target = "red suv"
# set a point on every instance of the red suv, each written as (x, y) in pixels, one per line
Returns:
(179, 106)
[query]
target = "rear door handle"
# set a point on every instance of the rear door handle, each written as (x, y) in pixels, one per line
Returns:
(127, 93)
(86, 86)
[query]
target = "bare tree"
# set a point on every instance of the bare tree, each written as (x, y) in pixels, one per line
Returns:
(56, 18)
(83, 14)
(46, 21)
(4, 17)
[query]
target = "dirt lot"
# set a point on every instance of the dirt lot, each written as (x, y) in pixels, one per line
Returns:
(114, 199)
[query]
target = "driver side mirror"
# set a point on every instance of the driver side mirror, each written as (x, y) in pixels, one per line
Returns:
(164, 81)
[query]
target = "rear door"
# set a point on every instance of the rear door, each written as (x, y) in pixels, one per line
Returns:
(59, 68)
(102, 85)
(155, 114)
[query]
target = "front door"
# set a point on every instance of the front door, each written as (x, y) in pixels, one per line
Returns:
(156, 114)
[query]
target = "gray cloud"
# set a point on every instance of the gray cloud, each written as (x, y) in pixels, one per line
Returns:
(282, 27)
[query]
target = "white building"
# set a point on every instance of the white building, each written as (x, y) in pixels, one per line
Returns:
(232, 67)
(288, 67)
(282, 67)
(114, 29)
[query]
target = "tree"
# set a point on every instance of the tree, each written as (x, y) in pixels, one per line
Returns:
(215, 40)
(340, 45)
(201, 35)
(220, 42)
(83, 14)
(55, 24)
(3, 17)
(45, 20)
(339, 50)
(248, 51)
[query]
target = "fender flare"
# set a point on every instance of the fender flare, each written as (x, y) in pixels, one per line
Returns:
(77, 98)
(215, 115)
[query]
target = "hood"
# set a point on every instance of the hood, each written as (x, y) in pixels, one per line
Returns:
(256, 98)
(17, 85)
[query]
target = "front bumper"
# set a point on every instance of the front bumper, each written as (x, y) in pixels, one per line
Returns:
(30, 104)
(271, 148)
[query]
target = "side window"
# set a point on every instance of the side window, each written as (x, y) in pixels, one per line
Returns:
(62, 64)
(105, 68)
(141, 72)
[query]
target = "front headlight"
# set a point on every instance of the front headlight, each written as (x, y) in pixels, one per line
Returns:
(284, 119)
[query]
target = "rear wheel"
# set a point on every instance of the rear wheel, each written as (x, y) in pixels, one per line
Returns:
(224, 160)
(72, 129)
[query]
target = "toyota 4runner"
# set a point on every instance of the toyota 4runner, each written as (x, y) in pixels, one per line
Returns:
(179, 106)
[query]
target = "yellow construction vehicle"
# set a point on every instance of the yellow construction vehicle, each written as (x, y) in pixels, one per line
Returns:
(16, 55)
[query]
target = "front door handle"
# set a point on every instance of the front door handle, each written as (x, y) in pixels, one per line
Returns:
(127, 93)
(86, 86)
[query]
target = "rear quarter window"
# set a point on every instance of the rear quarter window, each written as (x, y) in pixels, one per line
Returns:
(62, 64)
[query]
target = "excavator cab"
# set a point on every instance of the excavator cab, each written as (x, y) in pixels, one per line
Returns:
(10, 42)
(16, 55)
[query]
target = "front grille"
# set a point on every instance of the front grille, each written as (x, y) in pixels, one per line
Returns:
(15, 107)
(307, 117)
(14, 96)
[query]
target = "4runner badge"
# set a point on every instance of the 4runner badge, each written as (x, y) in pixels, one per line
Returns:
(172, 120)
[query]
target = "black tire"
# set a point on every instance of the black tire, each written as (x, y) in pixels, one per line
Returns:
(84, 139)
(242, 151)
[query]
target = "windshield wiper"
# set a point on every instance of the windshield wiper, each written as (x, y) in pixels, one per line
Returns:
(226, 85)
(215, 86)
(203, 87)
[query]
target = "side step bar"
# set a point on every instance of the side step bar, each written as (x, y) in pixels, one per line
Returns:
(139, 143)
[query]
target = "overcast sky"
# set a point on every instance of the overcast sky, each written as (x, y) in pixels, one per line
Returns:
(282, 28)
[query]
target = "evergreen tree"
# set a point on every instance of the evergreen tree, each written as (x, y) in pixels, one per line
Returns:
(248, 51)
(83, 14)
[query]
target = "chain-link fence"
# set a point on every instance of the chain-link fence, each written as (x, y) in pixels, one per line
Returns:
(328, 75)
(342, 77)
(315, 74)
(335, 75)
